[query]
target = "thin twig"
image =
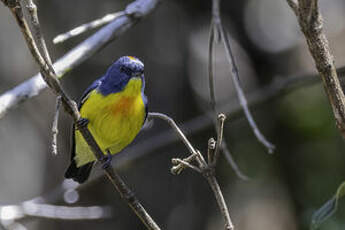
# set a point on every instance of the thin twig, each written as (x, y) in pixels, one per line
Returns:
(203, 167)
(79, 54)
(212, 181)
(235, 77)
(55, 129)
(209, 174)
(49, 76)
(87, 26)
(220, 127)
(70, 106)
(184, 164)
(231, 161)
(30, 9)
(173, 125)
(212, 40)
(180, 167)
(243, 100)
(210, 150)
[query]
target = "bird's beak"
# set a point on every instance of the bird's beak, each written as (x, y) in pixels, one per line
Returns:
(138, 75)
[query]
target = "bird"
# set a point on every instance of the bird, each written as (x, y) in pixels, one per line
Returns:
(114, 108)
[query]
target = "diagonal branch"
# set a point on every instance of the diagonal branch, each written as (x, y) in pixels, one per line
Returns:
(50, 78)
(310, 21)
(30, 9)
(86, 27)
(34, 86)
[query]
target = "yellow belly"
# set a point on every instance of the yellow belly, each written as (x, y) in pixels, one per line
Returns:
(114, 120)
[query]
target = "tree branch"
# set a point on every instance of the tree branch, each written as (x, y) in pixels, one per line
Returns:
(30, 9)
(34, 86)
(310, 21)
(87, 26)
(42, 210)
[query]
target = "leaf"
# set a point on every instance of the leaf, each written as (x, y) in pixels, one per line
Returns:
(328, 209)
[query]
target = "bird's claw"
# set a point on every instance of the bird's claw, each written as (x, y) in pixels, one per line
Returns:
(82, 122)
(106, 160)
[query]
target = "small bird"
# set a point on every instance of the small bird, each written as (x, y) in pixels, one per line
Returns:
(115, 109)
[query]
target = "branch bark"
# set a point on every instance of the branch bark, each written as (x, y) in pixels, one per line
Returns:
(310, 21)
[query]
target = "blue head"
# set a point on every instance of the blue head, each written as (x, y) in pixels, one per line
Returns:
(120, 72)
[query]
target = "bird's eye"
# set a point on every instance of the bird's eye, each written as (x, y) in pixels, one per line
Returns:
(125, 70)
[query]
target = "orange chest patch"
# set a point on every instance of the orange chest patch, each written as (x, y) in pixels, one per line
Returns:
(123, 106)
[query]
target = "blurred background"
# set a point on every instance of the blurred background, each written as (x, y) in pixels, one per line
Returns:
(284, 188)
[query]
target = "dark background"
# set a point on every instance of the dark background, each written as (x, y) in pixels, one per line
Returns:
(284, 189)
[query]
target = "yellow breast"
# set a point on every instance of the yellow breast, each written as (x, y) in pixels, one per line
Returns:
(114, 120)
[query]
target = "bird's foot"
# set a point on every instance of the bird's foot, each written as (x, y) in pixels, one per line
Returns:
(82, 122)
(106, 160)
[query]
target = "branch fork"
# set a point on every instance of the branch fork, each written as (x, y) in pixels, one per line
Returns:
(197, 163)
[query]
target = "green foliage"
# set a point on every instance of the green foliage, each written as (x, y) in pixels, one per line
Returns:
(328, 209)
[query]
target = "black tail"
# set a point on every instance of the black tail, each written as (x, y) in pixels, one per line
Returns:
(78, 174)
(73, 172)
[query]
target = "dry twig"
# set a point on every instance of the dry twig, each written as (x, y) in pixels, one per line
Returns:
(207, 169)
(30, 9)
(218, 26)
(213, 38)
(220, 127)
(55, 129)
